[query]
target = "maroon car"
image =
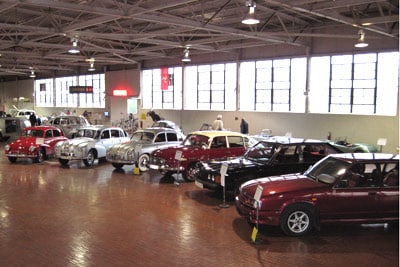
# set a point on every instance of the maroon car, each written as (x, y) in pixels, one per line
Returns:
(36, 142)
(199, 146)
(341, 188)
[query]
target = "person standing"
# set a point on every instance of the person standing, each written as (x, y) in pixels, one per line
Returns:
(244, 126)
(218, 124)
(32, 119)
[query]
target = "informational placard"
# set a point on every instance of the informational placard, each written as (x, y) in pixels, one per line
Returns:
(223, 171)
(178, 155)
(254, 234)
(382, 141)
(39, 141)
(257, 196)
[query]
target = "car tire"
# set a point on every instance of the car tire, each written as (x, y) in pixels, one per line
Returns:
(118, 165)
(142, 162)
(63, 162)
(188, 173)
(12, 159)
(297, 220)
(90, 158)
(41, 155)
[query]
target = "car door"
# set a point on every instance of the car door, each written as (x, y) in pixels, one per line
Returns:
(287, 159)
(236, 146)
(218, 149)
(346, 202)
(105, 138)
(388, 193)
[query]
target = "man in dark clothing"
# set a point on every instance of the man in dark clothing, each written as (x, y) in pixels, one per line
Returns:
(244, 126)
(32, 119)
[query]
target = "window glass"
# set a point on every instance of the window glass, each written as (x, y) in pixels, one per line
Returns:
(171, 137)
(105, 134)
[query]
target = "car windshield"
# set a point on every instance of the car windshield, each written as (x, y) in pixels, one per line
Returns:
(36, 133)
(144, 136)
(88, 133)
(196, 140)
(262, 151)
(328, 166)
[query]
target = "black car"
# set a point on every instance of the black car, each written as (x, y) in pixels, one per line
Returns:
(266, 158)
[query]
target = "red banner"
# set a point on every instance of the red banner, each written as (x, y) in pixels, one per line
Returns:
(164, 79)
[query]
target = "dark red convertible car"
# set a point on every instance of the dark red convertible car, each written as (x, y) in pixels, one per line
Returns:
(341, 188)
(36, 142)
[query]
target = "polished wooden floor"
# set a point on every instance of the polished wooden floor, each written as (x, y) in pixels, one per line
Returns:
(79, 216)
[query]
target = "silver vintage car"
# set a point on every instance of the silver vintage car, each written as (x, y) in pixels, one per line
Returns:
(143, 142)
(90, 144)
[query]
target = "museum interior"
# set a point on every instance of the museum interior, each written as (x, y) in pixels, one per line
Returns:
(296, 69)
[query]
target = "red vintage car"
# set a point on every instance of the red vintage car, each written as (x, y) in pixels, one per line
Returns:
(36, 142)
(341, 188)
(199, 146)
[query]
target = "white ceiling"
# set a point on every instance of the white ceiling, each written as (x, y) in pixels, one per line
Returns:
(36, 34)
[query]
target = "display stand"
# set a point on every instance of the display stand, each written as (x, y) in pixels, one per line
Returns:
(136, 169)
(178, 156)
(224, 169)
(254, 235)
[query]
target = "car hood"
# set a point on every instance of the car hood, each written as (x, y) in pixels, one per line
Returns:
(25, 141)
(79, 140)
(281, 184)
(129, 145)
(233, 164)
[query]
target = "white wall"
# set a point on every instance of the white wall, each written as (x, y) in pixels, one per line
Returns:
(357, 128)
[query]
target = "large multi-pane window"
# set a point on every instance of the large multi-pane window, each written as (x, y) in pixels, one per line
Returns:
(55, 92)
(44, 93)
(273, 85)
(354, 84)
(211, 87)
(365, 83)
(162, 88)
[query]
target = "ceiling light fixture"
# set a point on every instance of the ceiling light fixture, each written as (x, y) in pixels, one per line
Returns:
(91, 64)
(251, 17)
(186, 56)
(361, 39)
(32, 74)
(91, 68)
(74, 49)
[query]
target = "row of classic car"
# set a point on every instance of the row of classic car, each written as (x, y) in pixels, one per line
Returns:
(268, 157)
(339, 187)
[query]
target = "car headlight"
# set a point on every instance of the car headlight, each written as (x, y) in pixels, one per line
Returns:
(32, 148)
(7, 147)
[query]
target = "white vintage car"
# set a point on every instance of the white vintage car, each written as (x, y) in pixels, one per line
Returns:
(143, 142)
(90, 143)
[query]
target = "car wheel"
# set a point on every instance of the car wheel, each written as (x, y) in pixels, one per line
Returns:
(142, 162)
(188, 175)
(12, 159)
(117, 165)
(91, 156)
(297, 220)
(63, 162)
(40, 156)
